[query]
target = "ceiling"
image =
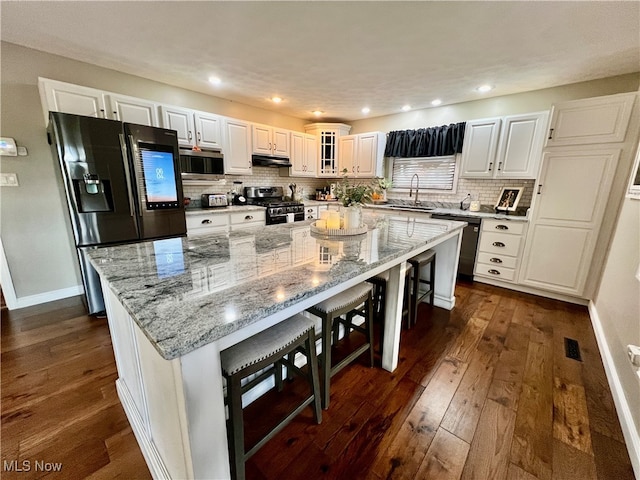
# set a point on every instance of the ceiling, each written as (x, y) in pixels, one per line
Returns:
(339, 57)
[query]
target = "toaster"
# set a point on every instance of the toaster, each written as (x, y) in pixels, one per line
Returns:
(212, 200)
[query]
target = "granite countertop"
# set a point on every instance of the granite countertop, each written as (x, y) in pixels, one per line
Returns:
(217, 210)
(187, 292)
(486, 211)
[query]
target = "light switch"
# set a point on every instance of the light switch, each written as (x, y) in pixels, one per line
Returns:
(9, 180)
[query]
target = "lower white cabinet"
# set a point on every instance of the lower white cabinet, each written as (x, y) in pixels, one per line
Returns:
(310, 212)
(500, 249)
(242, 219)
(207, 222)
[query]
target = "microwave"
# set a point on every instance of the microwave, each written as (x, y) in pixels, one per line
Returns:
(201, 164)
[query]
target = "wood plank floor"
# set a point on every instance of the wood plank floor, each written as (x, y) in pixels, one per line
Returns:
(482, 392)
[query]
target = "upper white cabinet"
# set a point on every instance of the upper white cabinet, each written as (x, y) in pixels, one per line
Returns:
(69, 98)
(590, 121)
(208, 130)
(361, 155)
(181, 120)
(271, 141)
(237, 151)
(328, 135)
(506, 147)
(194, 128)
(133, 110)
(304, 155)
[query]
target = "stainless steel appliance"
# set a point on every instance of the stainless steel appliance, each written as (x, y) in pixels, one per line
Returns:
(122, 183)
(200, 164)
(470, 236)
(277, 208)
(213, 200)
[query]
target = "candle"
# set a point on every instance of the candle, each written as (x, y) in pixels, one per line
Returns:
(324, 214)
(321, 224)
(333, 222)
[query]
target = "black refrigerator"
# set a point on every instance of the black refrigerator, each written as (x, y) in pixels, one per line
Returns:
(122, 183)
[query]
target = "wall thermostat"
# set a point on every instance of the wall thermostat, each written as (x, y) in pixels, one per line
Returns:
(8, 147)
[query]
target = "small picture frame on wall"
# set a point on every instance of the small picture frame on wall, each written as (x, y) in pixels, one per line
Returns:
(509, 198)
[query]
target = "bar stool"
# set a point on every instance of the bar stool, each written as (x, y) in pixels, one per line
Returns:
(417, 262)
(330, 311)
(273, 346)
(380, 295)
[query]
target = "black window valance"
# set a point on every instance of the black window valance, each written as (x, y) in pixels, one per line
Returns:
(426, 142)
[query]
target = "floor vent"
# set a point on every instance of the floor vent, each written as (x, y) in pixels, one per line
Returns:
(572, 349)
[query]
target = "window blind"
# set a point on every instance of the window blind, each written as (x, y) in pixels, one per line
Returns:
(435, 173)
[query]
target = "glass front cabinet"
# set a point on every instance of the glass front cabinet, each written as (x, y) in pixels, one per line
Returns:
(328, 135)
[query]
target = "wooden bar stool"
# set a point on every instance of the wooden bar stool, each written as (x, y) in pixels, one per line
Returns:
(346, 303)
(417, 262)
(273, 346)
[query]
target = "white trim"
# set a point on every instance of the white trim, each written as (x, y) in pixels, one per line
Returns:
(6, 282)
(631, 434)
(51, 296)
(531, 290)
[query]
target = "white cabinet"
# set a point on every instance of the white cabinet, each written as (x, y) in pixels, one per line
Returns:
(590, 121)
(194, 128)
(328, 135)
(206, 222)
(568, 209)
(304, 155)
(69, 98)
(247, 218)
(271, 141)
(506, 147)
(362, 155)
(310, 212)
(237, 151)
(133, 110)
(500, 249)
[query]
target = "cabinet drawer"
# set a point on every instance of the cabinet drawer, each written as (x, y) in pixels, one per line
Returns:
(252, 216)
(310, 213)
(514, 228)
(502, 261)
(494, 271)
(206, 223)
(500, 243)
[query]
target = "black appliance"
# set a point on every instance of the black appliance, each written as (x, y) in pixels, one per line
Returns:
(470, 236)
(122, 183)
(200, 164)
(277, 208)
(268, 161)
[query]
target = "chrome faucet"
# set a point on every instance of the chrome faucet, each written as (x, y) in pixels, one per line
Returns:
(416, 201)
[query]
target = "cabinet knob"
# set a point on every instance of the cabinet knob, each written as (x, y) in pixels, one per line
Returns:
(494, 272)
(495, 260)
(249, 217)
(205, 221)
(498, 244)
(502, 227)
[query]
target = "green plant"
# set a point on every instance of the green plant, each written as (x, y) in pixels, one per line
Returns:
(352, 194)
(383, 183)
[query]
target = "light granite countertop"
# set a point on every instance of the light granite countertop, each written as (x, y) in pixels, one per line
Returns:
(218, 210)
(444, 209)
(187, 292)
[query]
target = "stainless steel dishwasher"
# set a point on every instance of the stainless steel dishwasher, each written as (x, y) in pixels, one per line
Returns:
(469, 246)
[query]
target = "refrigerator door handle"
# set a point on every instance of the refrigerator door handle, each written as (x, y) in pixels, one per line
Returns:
(123, 149)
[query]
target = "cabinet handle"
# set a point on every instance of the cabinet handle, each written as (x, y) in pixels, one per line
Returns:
(502, 227)
(495, 260)
(310, 210)
(494, 272)
(198, 133)
(358, 169)
(550, 134)
(270, 146)
(205, 221)
(498, 244)
(104, 114)
(275, 147)
(499, 166)
(189, 135)
(249, 217)
(115, 115)
(490, 166)
(539, 189)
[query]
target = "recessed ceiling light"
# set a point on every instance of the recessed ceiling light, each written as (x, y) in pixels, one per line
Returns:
(276, 99)
(366, 110)
(215, 80)
(406, 108)
(484, 88)
(317, 113)
(436, 102)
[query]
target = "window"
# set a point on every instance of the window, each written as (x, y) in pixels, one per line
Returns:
(437, 174)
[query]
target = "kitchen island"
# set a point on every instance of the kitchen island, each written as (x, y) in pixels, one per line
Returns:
(174, 304)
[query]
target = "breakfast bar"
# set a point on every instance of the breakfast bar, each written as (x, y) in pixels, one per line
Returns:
(173, 305)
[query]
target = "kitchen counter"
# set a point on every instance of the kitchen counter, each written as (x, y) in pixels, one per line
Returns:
(486, 212)
(173, 305)
(228, 209)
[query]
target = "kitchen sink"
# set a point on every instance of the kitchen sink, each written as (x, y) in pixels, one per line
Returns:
(417, 208)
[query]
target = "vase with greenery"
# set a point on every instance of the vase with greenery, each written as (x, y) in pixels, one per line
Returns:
(380, 187)
(352, 196)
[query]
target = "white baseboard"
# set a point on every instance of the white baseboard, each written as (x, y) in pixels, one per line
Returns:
(531, 290)
(31, 300)
(149, 452)
(631, 434)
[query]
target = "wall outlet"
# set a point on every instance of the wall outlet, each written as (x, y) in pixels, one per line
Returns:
(634, 355)
(9, 180)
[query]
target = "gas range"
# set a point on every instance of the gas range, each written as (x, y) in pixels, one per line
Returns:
(277, 209)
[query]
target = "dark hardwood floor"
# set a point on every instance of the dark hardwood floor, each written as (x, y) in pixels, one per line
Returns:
(482, 392)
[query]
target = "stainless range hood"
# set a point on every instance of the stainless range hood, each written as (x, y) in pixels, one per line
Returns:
(267, 161)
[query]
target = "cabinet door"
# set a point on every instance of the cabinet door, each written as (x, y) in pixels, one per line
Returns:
(261, 139)
(567, 213)
(133, 110)
(368, 158)
(237, 150)
(297, 155)
(310, 155)
(208, 130)
(69, 98)
(180, 120)
(479, 148)
(281, 139)
(595, 120)
(347, 152)
(520, 148)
